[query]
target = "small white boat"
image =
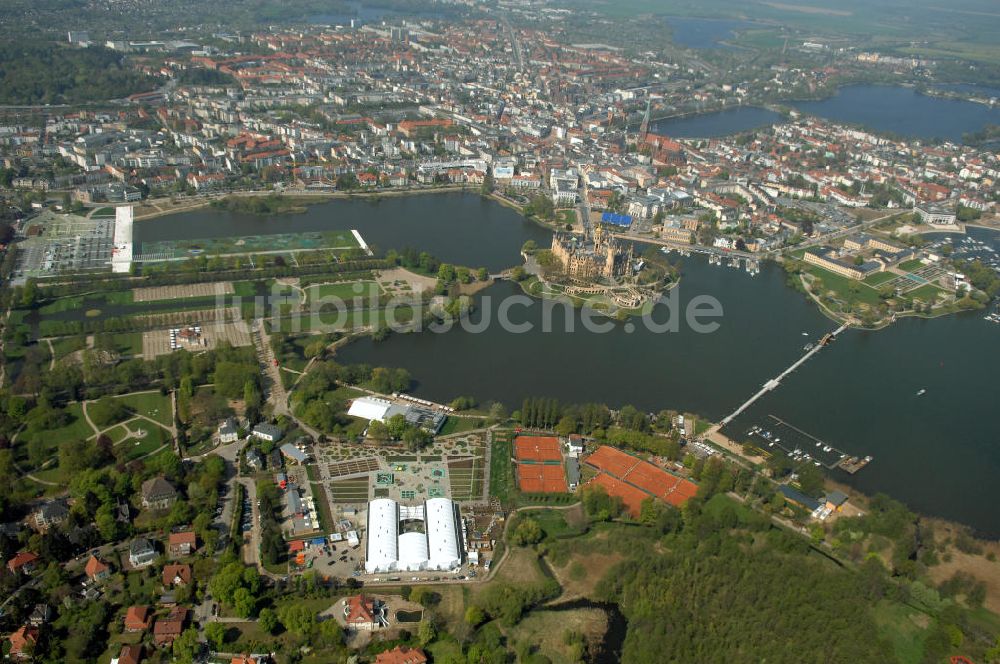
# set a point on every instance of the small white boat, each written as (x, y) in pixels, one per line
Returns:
(921, 393)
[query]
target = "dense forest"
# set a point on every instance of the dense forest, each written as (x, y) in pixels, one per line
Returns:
(51, 74)
(717, 582)
(740, 598)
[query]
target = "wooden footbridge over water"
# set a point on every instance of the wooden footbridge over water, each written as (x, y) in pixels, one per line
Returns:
(774, 382)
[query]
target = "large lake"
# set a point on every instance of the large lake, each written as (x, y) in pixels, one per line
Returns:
(461, 228)
(903, 111)
(882, 108)
(720, 123)
(939, 452)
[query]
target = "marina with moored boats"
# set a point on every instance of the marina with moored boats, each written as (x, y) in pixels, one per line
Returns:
(802, 446)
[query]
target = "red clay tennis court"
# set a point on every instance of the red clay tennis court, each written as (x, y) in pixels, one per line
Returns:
(537, 448)
(612, 461)
(631, 497)
(631, 474)
(541, 478)
(681, 493)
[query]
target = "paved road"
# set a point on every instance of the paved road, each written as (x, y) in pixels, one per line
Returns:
(274, 389)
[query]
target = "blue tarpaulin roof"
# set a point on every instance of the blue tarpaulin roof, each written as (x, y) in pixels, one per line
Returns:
(318, 541)
(616, 219)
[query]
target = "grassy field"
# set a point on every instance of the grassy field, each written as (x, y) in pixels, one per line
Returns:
(74, 302)
(460, 424)
(905, 628)
(520, 567)
(501, 469)
(566, 216)
(127, 343)
(77, 429)
(879, 278)
(560, 523)
(293, 355)
(154, 438)
(546, 629)
(926, 293)
(151, 404)
(842, 286)
(330, 321)
(61, 304)
(118, 433)
(344, 290)
(986, 53)
(67, 345)
(910, 265)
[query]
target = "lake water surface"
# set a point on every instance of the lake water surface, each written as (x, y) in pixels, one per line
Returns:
(903, 111)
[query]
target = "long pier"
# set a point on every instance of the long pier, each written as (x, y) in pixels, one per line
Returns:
(774, 382)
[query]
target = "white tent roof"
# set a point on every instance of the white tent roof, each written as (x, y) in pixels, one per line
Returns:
(412, 551)
(442, 534)
(435, 548)
(370, 408)
(383, 529)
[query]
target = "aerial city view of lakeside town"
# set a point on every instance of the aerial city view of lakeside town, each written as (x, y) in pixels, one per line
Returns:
(543, 331)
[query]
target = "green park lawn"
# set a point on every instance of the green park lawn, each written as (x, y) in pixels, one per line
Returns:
(154, 438)
(61, 304)
(151, 404)
(127, 343)
(67, 345)
(118, 433)
(879, 278)
(77, 429)
(842, 286)
(460, 424)
(566, 216)
(346, 290)
(329, 321)
(926, 293)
